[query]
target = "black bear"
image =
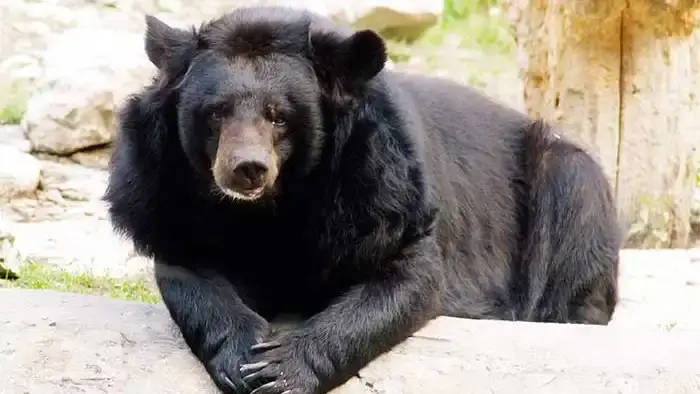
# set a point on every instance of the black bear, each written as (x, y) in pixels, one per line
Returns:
(273, 166)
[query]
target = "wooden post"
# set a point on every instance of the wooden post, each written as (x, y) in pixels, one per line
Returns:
(626, 87)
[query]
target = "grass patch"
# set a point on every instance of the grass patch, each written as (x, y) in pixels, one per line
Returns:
(39, 276)
(13, 102)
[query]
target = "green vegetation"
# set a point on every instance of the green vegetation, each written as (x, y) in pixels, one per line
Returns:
(475, 25)
(472, 43)
(13, 102)
(39, 276)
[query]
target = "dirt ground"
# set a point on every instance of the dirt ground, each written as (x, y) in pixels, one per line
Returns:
(660, 289)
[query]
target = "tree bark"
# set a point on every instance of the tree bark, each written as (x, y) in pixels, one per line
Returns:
(629, 96)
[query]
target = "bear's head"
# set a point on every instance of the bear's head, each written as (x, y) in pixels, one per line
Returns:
(257, 91)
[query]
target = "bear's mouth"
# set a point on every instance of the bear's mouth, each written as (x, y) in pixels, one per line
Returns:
(245, 195)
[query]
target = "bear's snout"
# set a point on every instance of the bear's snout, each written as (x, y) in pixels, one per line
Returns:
(248, 174)
(246, 162)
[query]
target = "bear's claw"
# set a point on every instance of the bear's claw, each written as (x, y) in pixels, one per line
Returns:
(265, 346)
(246, 368)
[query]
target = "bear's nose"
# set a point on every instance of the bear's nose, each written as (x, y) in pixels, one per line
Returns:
(249, 175)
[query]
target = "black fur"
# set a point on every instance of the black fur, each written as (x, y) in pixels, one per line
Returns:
(399, 198)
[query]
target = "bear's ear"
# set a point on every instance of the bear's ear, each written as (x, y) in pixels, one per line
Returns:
(351, 61)
(361, 56)
(168, 48)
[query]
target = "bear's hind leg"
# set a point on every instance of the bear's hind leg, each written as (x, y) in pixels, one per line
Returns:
(571, 252)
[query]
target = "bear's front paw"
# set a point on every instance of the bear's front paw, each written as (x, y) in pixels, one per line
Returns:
(279, 366)
(224, 369)
(225, 366)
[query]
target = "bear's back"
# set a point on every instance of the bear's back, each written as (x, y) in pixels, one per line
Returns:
(473, 149)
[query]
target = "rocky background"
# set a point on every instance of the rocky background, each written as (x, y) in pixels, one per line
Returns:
(66, 66)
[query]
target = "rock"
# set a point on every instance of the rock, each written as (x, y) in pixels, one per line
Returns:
(20, 173)
(7, 272)
(74, 182)
(405, 20)
(65, 225)
(95, 158)
(10, 260)
(68, 192)
(391, 18)
(75, 103)
(20, 68)
(13, 136)
(68, 343)
(123, 348)
(90, 247)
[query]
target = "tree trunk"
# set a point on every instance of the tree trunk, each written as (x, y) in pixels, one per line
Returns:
(629, 95)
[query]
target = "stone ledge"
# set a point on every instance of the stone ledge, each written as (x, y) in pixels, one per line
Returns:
(53, 342)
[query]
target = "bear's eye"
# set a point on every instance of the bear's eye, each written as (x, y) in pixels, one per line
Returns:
(217, 115)
(217, 112)
(275, 117)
